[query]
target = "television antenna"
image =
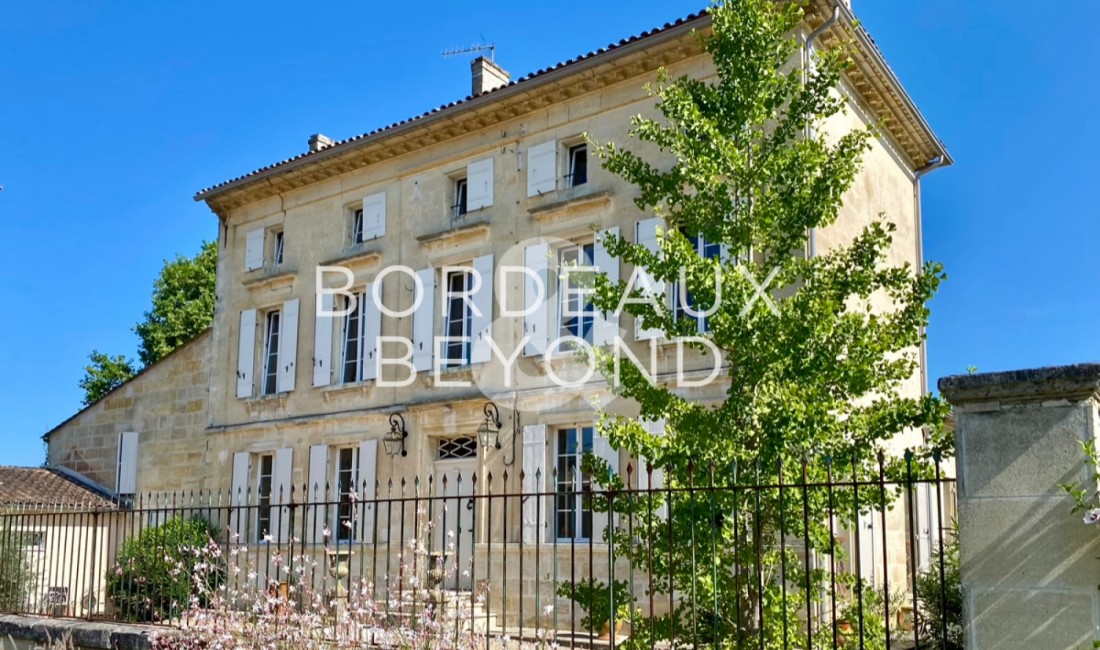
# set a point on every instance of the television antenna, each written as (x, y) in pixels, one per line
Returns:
(459, 51)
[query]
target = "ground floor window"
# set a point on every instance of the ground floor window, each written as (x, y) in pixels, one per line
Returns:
(346, 471)
(572, 513)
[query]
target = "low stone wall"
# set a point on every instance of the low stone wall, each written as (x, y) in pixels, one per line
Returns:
(1030, 568)
(32, 633)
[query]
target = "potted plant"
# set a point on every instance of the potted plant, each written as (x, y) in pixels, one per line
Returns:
(602, 603)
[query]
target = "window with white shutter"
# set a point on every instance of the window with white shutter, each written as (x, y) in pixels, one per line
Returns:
(607, 322)
(535, 294)
(126, 483)
(288, 347)
(542, 168)
(534, 478)
(246, 353)
(572, 514)
(479, 181)
(322, 341)
(374, 217)
(254, 249)
(424, 323)
(481, 318)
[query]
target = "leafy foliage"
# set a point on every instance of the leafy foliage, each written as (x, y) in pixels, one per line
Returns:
(183, 306)
(104, 374)
(822, 366)
(600, 601)
(941, 600)
(16, 574)
(152, 579)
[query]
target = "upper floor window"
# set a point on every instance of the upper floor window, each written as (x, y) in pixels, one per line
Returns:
(457, 318)
(576, 313)
(265, 480)
(271, 353)
(577, 173)
(572, 512)
(461, 187)
(682, 298)
(277, 249)
(357, 227)
(352, 369)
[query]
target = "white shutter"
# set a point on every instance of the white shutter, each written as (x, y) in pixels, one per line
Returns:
(322, 343)
(365, 486)
(535, 322)
(424, 323)
(601, 448)
(288, 347)
(316, 495)
(646, 235)
(923, 520)
(534, 478)
(254, 249)
(127, 463)
(607, 322)
(240, 496)
(479, 184)
(246, 353)
(867, 555)
(370, 318)
(542, 168)
(481, 327)
(374, 216)
(281, 489)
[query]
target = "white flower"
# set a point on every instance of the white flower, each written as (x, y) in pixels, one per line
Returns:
(548, 610)
(1092, 516)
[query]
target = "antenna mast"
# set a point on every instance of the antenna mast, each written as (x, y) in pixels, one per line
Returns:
(459, 51)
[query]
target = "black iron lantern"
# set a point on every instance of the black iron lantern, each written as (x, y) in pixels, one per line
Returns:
(394, 440)
(488, 434)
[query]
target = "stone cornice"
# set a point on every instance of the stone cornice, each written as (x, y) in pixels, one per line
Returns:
(873, 81)
(571, 207)
(1076, 382)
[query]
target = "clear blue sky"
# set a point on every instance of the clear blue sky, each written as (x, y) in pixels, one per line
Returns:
(113, 114)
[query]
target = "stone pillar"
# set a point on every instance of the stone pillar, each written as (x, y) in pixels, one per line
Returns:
(1030, 568)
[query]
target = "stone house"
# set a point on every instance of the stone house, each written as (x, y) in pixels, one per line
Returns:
(282, 397)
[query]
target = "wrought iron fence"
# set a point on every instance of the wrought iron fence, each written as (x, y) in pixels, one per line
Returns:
(863, 561)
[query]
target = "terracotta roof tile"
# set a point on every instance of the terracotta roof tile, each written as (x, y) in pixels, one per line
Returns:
(40, 486)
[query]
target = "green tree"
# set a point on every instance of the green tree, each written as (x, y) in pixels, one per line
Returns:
(104, 374)
(813, 370)
(183, 306)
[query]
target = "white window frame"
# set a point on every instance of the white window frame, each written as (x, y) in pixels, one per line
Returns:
(348, 337)
(705, 250)
(566, 291)
(357, 226)
(460, 194)
(277, 248)
(265, 502)
(457, 300)
(273, 326)
(564, 479)
(342, 534)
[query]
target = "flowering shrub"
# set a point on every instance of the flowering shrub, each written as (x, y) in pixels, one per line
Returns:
(270, 599)
(152, 579)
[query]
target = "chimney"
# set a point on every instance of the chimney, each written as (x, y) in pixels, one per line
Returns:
(487, 76)
(319, 141)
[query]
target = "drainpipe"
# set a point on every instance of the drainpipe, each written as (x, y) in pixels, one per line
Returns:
(930, 166)
(805, 78)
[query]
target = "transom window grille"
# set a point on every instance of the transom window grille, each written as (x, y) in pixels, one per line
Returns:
(457, 448)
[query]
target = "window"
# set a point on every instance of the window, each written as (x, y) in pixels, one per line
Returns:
(265, 472)
(346, 472)
(578, 166)
(576, 313)
(572, 513)
(277, 253)
(352, 370)
(271, 353)
(706, 250)
(456, 448)
(357, 227)
(457, 319)
(459, 207)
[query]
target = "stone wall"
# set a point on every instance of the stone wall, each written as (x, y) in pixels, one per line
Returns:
(166, 405)
(1029, 566)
